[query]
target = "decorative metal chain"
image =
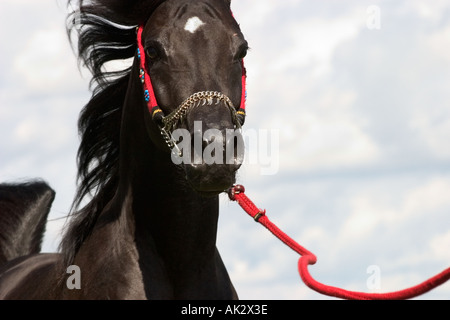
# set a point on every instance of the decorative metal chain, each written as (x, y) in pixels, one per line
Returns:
(171, 121)
(200, 98)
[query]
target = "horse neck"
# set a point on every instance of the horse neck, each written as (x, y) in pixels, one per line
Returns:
(169, 217)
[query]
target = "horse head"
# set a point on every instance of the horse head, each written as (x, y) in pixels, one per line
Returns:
(192, 61)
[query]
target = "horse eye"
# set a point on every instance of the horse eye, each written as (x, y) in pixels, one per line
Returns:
(152, 53)
(242, 53)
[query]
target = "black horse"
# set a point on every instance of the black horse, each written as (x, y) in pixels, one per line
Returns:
(142, 226)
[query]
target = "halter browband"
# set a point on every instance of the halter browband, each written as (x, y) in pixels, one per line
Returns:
(168, 123)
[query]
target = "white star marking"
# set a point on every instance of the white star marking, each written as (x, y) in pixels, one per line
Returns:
(193, 24)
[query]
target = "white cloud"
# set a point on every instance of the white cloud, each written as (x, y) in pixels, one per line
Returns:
(330, 143)
(43, 62)
(439, 246)
(427, 198)
(432, 11)
(438, 43)
(375, 210)
(312, 42)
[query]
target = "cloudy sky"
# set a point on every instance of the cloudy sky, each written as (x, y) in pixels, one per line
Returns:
(352, 102)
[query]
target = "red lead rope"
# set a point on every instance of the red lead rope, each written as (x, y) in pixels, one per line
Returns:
(236, 193)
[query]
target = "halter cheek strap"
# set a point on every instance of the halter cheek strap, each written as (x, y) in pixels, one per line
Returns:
(241, 111)
(149, 94)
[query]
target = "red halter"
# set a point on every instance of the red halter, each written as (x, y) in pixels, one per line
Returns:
(149, 94)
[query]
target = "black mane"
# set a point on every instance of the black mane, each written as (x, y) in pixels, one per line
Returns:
(106, 31)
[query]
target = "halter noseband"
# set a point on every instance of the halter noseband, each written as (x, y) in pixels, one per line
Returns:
(168, 123)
